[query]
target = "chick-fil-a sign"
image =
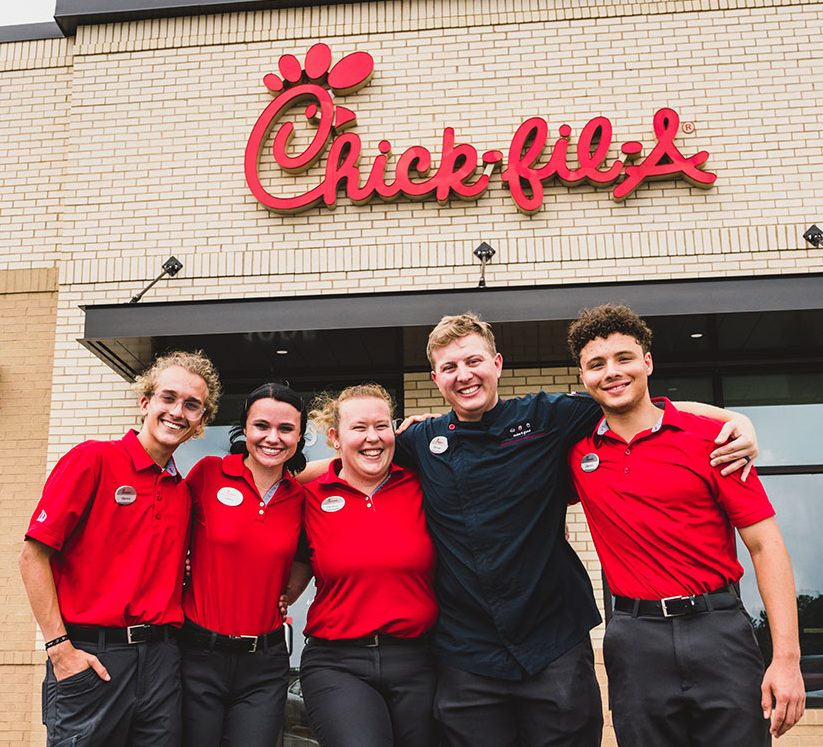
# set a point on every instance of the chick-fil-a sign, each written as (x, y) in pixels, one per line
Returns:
(534, 157)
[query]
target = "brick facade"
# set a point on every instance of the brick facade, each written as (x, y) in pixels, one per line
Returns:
(124, 145)
(28, 300)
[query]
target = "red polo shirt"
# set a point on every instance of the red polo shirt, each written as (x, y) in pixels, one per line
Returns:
(662, 518)
(373, 559)
(119, 524)
(241, 548)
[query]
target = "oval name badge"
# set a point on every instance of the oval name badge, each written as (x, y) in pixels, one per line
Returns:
(333, 503)
(438, 444)
(229, 496)
(589, 462)
(125, 495)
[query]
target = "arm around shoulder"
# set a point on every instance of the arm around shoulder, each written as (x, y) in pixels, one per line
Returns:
(314, 469)
(737, 439)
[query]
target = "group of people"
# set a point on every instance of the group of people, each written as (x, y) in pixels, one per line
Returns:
(450, 608)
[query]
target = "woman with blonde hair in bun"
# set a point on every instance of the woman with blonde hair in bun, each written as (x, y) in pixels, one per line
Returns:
(367, 671)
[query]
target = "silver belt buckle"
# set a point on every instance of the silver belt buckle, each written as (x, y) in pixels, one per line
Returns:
(253, 640)
(665, 609)
(375, 640)
(132, 629)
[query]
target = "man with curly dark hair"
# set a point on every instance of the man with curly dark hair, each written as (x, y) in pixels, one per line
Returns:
(103, 568)
(683, 665)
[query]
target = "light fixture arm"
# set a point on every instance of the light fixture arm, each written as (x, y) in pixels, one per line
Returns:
(170, 267)
(814, 236)
(484, 253)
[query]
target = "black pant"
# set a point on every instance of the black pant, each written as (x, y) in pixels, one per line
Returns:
(689, 681)
(138, 707)
(358, 696)
(559, 707)
(234, 699)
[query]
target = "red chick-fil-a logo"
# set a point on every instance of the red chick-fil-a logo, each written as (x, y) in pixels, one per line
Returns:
(457, 174)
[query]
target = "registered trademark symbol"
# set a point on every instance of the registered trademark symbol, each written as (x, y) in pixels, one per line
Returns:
(688, 127)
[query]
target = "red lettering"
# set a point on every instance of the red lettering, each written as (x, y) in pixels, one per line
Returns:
(417, 159)
(459, 162)
(665, 160)
(597, 133)
(457, 175)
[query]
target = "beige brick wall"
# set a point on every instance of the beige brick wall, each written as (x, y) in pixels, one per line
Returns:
(125, 145)
(160, 112)
(27, 310)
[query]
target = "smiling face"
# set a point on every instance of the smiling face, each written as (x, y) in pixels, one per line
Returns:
(272, 433)
(615, 371)
(173, 413)
(466, 373)
(366, 439)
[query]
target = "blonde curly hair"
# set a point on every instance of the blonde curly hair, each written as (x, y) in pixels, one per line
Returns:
(196, 362)
(325, 408)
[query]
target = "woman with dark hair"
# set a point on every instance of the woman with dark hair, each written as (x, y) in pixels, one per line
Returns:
(247, 513)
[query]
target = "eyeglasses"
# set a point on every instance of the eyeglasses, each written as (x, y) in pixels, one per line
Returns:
(193, 409)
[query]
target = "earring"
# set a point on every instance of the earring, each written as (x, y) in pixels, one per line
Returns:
(337, 445)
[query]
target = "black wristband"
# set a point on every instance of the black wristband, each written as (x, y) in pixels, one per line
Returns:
(56, 641)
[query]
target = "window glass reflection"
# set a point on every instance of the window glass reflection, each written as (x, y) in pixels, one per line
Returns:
(772, 389)
(800, 331)
(787, 434)
(682, 388)
(798, 500)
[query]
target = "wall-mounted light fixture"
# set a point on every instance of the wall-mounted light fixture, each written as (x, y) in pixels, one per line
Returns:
(484, 253)
(170, 267)
(814, 236)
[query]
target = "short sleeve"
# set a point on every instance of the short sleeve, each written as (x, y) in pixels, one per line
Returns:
(405, 452)
(67, 495)
(196, 478)
(577, 415)
(745, 503)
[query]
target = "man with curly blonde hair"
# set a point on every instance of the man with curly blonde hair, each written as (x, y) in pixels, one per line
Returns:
(103, 567)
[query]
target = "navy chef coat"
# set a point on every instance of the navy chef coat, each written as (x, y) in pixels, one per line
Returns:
(513, 594)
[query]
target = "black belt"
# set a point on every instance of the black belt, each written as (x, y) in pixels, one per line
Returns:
(196, 636)
(132, 634)
(721, 599)
(369, 641)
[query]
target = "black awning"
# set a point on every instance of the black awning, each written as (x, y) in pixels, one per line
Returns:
(127, 336)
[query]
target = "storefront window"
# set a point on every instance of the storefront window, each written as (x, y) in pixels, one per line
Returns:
(215, 442)
(797, 500)
(791, 465)
(682, 388)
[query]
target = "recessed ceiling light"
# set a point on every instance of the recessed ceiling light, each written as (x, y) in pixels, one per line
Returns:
(696, 335)
(282, 352)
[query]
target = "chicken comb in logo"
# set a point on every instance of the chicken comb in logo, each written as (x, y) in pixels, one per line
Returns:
(348, 75)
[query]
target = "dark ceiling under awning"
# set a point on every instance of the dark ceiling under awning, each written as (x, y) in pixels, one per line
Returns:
(345, 335)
